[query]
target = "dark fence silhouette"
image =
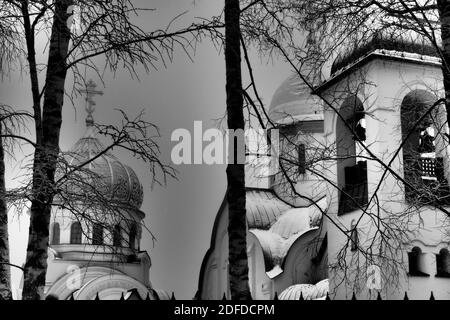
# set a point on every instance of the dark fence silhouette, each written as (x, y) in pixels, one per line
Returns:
(379, 298)
(133, 294)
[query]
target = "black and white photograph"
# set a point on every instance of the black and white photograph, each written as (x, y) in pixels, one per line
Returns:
(237, 150)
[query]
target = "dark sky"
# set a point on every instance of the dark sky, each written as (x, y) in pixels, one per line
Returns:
(180, 215)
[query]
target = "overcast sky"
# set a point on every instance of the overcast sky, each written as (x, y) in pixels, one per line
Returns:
(180, 215)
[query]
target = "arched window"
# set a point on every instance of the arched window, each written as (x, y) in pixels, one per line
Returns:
(443, 264)
(117, 236)
(422, 165)
(55, 234)
(75, 233)
(351, 173)
(416, 263)
(97, 234)
(132, 236)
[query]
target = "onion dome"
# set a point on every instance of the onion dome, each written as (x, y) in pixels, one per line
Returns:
(293, 101)
(118, 181)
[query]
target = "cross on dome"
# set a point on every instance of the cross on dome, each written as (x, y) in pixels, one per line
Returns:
(90, 103)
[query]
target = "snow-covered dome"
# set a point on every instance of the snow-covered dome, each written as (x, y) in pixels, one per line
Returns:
(307, 291)
(293, 101)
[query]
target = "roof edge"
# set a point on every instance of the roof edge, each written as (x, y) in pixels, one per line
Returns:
(377, 54)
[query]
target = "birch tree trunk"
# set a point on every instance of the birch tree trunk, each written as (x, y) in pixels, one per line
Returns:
(5, 275)
(237, 222)
(46, 154)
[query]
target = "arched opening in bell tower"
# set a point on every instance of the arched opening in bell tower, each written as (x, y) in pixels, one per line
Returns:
(423, 164)
(351, 171)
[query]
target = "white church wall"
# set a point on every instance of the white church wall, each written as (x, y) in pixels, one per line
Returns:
(213, 277)
(261, 286)
(393, 80)
(209, 281)
(58, 268)
(420, 288)
(223, 266)
(336, 95)
(342, 285)
(308, 184)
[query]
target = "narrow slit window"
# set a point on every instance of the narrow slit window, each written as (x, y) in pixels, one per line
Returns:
(117, 236)
(56, 234)
(354, 237)
(301, 159)
(132, 236)
(97, 234)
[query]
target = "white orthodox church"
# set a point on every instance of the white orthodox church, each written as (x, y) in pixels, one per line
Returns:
(380, 90)
(100, 258)
(287, 242)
